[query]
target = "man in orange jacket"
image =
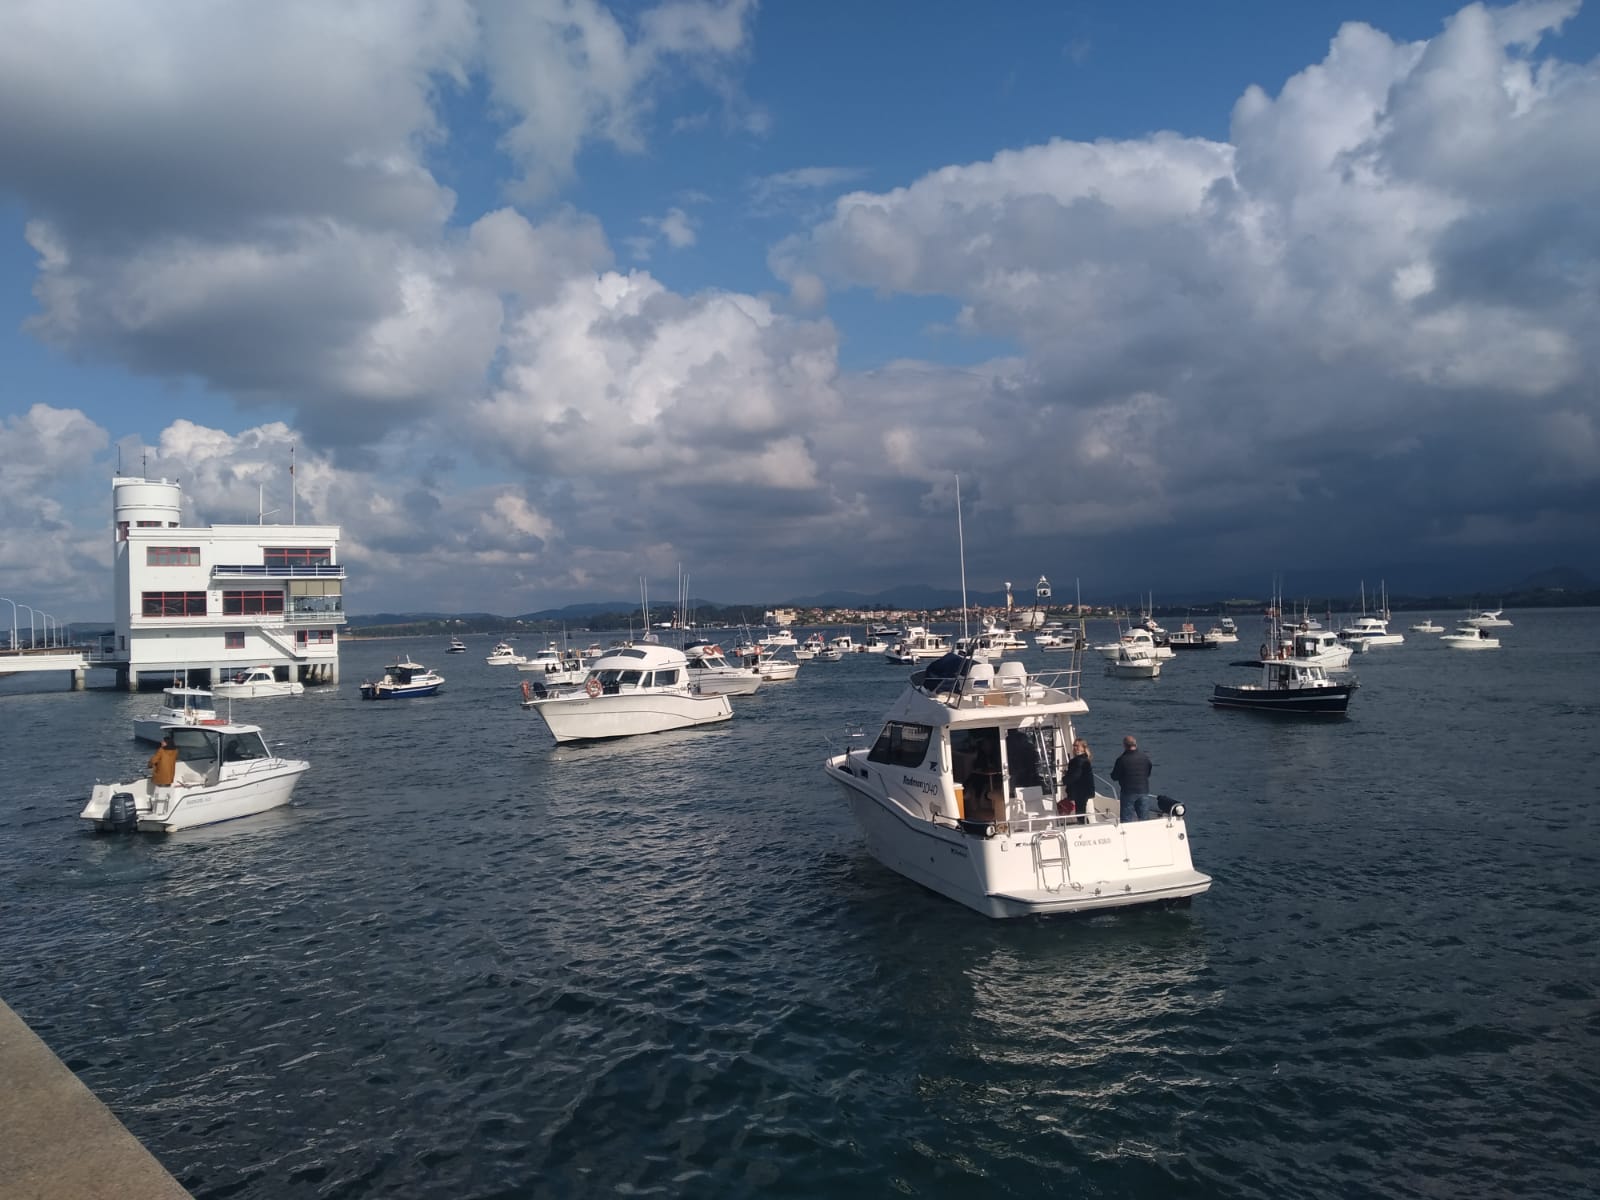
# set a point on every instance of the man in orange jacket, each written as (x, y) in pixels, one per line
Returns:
(163, 765)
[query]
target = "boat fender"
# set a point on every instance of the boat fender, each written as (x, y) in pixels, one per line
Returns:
(122, 814)
(1169, 807)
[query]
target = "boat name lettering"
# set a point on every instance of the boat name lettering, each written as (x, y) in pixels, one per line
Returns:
(929, 787)
(1079, 843)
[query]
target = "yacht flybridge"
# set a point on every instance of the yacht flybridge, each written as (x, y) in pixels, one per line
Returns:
(963, 789)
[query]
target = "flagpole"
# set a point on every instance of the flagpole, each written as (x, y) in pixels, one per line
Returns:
(294, 489)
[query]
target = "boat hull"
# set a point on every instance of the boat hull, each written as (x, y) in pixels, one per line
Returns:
(1472, 643)
(1074, 869)
(242, 795)
(256, 691)
(583, 718)
(1295, 702)
(378, 691)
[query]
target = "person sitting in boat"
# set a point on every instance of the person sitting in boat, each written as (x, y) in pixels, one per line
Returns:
(980, 784)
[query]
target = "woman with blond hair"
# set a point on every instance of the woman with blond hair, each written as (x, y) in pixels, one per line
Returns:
(1079, 779)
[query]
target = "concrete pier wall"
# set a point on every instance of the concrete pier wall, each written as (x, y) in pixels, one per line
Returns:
(57, 1140)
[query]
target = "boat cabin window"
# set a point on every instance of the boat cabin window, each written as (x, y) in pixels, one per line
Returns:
(667, 678)
(195, 746)
(241, 747)
(901, 745)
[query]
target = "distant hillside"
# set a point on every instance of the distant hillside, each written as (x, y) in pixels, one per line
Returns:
(1557, 579)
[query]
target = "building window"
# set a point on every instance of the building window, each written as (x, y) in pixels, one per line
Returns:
(315, 596)
(239, 604)
(296, 556)
(172, 556)
(147, 524)
(233, 641)
(122, 531)
(173, 604)
(314, 637)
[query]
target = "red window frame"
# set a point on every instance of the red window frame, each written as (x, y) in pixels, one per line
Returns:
(243, 604)
(172, 604)
(172, 556)
(297, 556)
(315, 637)
(233, 641)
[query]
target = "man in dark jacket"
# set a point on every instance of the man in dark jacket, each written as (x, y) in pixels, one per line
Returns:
(1131, 774)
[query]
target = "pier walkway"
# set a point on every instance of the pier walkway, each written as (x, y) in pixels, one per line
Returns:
(57, 1141)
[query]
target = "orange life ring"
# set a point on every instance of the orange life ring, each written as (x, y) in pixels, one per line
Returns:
(593, 685)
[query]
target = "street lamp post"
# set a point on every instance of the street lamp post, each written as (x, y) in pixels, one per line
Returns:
(13, 604)
(31, 634)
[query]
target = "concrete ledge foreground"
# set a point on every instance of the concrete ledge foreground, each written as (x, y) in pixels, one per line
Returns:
(57, 1140)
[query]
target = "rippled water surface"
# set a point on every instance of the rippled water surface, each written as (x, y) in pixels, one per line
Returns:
(469, 964)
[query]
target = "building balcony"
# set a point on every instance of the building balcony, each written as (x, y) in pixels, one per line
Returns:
(287, 571)
(310, 616)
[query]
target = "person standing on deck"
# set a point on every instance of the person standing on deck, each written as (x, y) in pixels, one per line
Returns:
(1131, 774)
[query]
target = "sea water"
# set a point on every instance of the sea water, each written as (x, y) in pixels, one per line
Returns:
(468, 963)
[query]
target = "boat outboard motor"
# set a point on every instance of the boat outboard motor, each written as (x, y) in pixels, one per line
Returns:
(1168, 807)
(122, 814)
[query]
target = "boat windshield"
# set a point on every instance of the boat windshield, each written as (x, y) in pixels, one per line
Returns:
(197, 746)
(242, 747)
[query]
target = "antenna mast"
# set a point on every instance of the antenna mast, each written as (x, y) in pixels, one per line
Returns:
(961, 545)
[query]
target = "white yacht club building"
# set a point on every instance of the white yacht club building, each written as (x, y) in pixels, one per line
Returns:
(206, 601)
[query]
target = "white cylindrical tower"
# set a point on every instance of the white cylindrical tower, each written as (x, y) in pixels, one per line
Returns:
(145, 503)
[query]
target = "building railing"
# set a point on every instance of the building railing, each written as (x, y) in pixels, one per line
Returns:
(284, 571)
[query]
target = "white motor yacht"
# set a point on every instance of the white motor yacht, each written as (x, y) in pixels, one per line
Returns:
(713, 674)
(179, 706)
(1137, 638)
(1370, 631)
(808, 649)
(918, 645)
(630, 690)
(504, 655)
(552, 667)
(1134, 662)
(223, 771)
(255, 683)
(1318, 647)
(456, 646)
(1223, 631)
(779, 640)
(1471, 637)
(1426, 625)
(1489, 618)
(960, 792)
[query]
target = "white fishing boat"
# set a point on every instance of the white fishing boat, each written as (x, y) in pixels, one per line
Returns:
(1365, 632)
(1427, 625)
(504, 655)
(630, 690)
(1188, 637)
(808, 649)
(456, 646)
(780, 640)
(554, 668)
(1224, 631)
(1318, 647)
(257, 682)
(875, 644)
(223, 772)
(844, 644)
(1471, 637)
(179, 706)
(960, 792)
(771, 666)
(713, 674)
(919, 645)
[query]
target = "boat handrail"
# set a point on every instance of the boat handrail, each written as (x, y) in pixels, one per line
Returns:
(1036, 688)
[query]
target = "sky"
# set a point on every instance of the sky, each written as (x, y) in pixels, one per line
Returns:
(549, 296)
